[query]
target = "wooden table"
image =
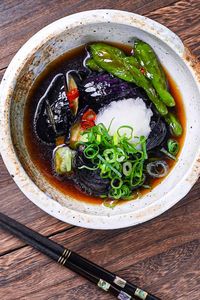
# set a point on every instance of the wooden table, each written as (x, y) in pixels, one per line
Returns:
(162, 255)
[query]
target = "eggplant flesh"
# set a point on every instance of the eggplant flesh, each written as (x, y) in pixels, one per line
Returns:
(88, 181)
(53, 116)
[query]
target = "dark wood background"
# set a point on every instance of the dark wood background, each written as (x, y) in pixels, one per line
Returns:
(162, 255)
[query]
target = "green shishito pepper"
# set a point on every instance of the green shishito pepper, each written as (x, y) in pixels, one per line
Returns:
(132, 61)
(148, 59)
(91, 64)
(114, 61)
(174, 124)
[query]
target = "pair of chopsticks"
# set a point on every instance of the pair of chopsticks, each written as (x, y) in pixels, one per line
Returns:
(104, 279)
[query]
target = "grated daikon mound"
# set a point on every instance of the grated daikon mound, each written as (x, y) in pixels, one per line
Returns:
(131, 112)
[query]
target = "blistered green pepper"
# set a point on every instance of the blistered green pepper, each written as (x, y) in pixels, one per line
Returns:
(174, 124)
(110, 59)
(140, 80)
(132, 60)
(154, 71)
(91, 64)
(126, 68)
(111, 49)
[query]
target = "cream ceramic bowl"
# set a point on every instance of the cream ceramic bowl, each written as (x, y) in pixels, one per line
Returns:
(49, 43)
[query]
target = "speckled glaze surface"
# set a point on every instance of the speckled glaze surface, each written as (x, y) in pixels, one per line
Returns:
(49, 43)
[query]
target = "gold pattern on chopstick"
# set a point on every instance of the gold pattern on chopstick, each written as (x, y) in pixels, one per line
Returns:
(64, 257)
(68, 255)
(61, 256)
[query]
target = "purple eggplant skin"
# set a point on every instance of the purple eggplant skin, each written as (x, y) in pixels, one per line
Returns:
(99, 89)
(158, 133)
(53, 116)
(82, 177)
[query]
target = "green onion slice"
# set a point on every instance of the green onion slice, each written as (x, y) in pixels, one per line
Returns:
(172, 146)
(88, 168)
(110, 155)
(115, 193)
(113, 169)
(127, 168)
(116, 183)
(91, 151)
(163, 150)
(125, 135)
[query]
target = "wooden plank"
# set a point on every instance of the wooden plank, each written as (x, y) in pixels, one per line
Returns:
(2, 71)
(182, 18)
(29, 18)
(162, 255)
(16, 205)
(19, 20)
(9, 191)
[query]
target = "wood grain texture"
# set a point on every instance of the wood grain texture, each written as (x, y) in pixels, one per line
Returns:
(14, 203)
(162, 255)
(182, 18)
(2, 71)
(30, 16)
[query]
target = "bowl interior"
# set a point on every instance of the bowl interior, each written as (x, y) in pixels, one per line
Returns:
(66, 37)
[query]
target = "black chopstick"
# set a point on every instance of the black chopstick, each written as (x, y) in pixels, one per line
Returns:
(91, 277)
(103, 278)
(55, 256)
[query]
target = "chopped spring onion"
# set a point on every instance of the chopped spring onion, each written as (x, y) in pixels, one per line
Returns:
(163, 150)
(113, 169)
(88, 168)
(127, 168)
(115, 193)
(110, 155)
(91, 151)
(121, 156)
(126, 192)
(143, 143)
(110, 124)
(127, 127)
(173, 146)
(118, 159)
(157, 169)
(116, 183)
(115, 138)
(136, 180)
(98, 138)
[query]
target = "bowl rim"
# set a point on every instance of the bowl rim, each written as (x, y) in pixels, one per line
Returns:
(21, 178)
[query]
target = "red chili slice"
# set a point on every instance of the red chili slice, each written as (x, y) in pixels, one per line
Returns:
(72, 94)
(142, 70)
(87, 124)
(89, 115)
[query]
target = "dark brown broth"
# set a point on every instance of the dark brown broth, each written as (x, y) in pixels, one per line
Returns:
(41, 154)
